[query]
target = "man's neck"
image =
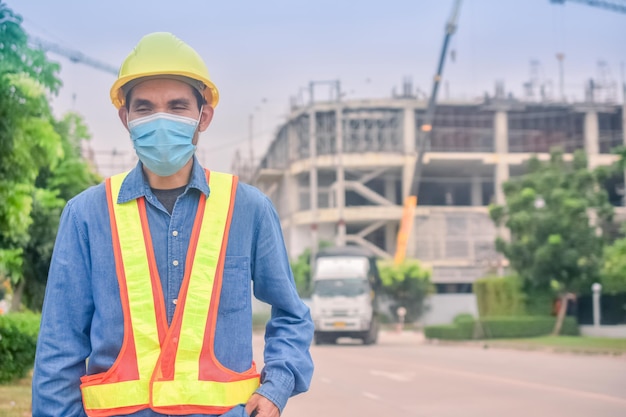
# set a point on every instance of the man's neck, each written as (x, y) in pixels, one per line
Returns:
(179, 179)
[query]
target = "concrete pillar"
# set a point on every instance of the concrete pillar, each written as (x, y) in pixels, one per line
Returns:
(592, 134)
(390, 188)
(477, 191)
(292, 142)
(313, 188)
(501, 176)
(501, 132)
(501, 142)
(340, 188)
(391, 235)
(409, 129)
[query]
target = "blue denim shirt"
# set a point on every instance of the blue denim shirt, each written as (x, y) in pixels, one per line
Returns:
(82, 314)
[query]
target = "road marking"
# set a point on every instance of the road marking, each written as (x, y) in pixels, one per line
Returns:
(395, 376)
(370, 395)
(528, 384)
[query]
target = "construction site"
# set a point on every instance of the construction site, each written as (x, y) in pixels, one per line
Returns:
(339, 171)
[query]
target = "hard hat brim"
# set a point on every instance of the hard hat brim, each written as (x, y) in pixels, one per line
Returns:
(118, 93)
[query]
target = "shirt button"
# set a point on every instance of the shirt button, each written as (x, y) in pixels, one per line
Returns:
(175, 301)
(175, 233)
(175, 263)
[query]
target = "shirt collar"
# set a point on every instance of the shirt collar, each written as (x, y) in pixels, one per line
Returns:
(136, 185)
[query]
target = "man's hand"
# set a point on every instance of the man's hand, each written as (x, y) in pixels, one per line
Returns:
(259, 406)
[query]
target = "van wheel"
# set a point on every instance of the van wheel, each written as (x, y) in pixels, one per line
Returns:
(370, 338)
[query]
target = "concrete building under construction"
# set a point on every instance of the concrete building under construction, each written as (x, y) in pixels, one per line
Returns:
(339, 171)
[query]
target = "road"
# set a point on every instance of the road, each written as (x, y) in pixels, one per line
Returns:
(402, 376)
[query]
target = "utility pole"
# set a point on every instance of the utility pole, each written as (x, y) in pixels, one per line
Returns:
(251, 143)
(560, 57)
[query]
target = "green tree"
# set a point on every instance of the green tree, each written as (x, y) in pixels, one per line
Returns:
(556, 214)
(407, 285)
(301, 268)
(40, 162)
(54, 188)
(613, 277)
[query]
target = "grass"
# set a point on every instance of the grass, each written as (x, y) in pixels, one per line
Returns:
(576, 344)
(15, 399)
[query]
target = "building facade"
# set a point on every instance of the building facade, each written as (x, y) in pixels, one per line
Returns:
(340, 171)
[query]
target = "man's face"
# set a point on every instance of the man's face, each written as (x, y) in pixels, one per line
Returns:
(165, 96)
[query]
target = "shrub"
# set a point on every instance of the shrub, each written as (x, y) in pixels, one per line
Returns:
(525, 326)
(447, 332)
(499, 296)
(500, 327)
(18, 340)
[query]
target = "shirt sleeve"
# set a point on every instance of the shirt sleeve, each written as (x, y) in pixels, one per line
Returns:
(288, 334)
(63, 344)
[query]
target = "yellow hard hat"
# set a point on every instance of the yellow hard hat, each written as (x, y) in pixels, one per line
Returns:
(163, 54)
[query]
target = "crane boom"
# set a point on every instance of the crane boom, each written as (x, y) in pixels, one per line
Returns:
(423, 142)
(425, 130)
(613, 5)
(72, 55)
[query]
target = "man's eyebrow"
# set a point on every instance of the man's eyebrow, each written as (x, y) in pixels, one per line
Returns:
(141, 102)
(179, 102)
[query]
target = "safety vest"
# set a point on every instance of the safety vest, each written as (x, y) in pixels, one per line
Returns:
(171, 370)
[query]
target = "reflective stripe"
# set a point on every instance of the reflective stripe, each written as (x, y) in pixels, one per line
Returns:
(202, 277)
(138, 283)
(118, 394)
(204, 393)
(100, 393)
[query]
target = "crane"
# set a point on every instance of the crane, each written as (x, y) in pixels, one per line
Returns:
(72, 55)
(424, 135)
(614, 5)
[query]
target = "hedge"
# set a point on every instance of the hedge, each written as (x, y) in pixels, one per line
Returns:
(500, 296)
(500, 327)
(18, 339)
(525, 326)
(447, 332)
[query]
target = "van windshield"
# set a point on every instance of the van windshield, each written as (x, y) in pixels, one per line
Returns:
(344, 287)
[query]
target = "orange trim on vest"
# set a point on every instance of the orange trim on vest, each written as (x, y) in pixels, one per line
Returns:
(124, 368)
(209, 336)
(157, 291)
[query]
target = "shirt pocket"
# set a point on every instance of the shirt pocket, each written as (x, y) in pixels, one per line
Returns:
(235, 294)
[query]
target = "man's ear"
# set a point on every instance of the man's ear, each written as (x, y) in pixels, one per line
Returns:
(123, 114)
(205, 118)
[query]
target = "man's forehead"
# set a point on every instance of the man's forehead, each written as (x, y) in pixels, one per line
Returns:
(162, 87)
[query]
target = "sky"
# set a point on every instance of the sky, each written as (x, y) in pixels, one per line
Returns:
(261, 53)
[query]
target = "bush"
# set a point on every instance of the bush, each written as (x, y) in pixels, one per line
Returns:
(500, 327)
(18, 340)
(525, 326)
(447, 332)
(500, 296)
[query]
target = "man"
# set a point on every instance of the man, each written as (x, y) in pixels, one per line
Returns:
(148, 305)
